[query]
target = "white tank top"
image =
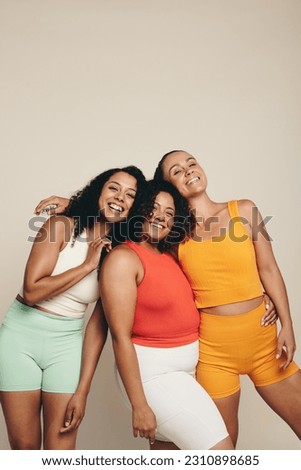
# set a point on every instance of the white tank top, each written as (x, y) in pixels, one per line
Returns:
(74, 301)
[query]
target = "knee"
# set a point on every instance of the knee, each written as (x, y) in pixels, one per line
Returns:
(24, 443)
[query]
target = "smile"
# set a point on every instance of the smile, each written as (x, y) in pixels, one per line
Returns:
(116, 208)
(159, 226)
(193, 180)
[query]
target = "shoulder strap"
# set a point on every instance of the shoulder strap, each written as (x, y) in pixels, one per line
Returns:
(233, 209)
(234, 214)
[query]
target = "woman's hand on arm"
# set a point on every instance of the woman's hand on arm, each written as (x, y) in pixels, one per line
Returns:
(286, 346)
(52, 205)
(119, 275)
(94, 341)
(39, 283)
(270, 317)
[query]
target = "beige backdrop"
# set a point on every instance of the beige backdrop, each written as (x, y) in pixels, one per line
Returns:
(90, 84)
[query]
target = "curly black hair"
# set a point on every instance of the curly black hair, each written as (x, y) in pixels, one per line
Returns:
(184, 219)
(83, 205)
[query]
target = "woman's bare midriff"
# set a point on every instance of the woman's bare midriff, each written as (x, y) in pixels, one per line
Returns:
(234, 309)
(20, 299)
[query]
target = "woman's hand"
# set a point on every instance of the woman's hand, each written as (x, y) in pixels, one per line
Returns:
(52, 205)
(95, 248)
(270, 317)
(144, 423)
(286, 346)
(74, 413)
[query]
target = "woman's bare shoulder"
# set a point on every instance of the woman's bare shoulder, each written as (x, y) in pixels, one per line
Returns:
(121, 256)
(56, 228)
(246, 208)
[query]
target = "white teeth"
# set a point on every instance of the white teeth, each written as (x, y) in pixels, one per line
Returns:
(196, 178)
(115, 207)
(157, 225)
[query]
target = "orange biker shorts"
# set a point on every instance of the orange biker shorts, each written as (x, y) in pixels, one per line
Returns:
(231, 345)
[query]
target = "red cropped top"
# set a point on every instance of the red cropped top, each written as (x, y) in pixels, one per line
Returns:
(165, 315)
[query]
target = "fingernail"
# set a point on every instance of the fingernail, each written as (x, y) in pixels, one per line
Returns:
(67, 423)
(277, 356)
(267, 306)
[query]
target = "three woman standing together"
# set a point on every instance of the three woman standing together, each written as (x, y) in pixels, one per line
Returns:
(226, 274)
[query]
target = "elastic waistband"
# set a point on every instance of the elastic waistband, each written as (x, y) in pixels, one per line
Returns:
(19, 314)
(167, 351)
(239, 325)
(27, 308)
(163, 361)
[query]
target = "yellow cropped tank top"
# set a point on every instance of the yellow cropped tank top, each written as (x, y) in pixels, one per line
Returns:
(222, 270)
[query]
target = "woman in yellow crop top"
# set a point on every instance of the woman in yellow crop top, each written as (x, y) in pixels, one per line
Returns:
(229, 262)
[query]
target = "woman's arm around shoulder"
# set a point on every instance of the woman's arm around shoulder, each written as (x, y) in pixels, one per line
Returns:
(52, 205)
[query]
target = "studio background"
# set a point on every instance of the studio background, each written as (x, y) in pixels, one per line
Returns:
(91, 84)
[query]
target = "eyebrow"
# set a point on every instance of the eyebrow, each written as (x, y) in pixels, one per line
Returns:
(116, 182)
(177, 164)
(168, 207)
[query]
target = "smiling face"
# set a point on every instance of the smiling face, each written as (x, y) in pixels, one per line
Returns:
(117, 196)
(161, 220)
(184, 172)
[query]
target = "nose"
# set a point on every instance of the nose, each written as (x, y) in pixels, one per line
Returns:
(119, 196)
(160, 216)
(189, 171)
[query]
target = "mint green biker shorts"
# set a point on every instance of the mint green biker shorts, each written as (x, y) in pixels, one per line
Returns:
(39, 350)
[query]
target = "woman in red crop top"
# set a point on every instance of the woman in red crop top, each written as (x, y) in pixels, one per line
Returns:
(229, 261)
(154, 325)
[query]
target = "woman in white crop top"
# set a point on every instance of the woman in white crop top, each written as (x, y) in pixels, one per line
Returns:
(41, 334)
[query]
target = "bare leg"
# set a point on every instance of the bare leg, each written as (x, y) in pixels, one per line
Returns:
(228, 408)
(162, 445)
(22, 415)
(285, 399)
(225, 444)
(54, 408)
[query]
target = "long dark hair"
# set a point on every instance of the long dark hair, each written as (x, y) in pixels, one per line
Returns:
(184, 220)
(84, 209)
(83, 205)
